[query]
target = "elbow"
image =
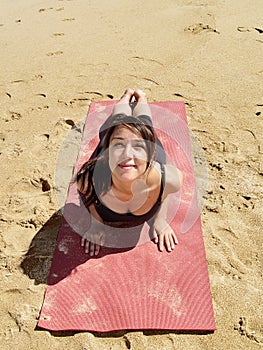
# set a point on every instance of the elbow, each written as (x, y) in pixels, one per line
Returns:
(180, 179)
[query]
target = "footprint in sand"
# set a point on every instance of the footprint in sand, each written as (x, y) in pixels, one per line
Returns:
(45, 9)
(200, 27)
(2, 137)
(244, 330)
(2, 140)
(58, 34)
(50, 8)
(37, 77)
(39, 108)
(214, 201)
(149, 80)
(40, 182)
(82, 101)
(226, 260)
(13, 116)
(68, 19)
(258, 112)
(243, 29)
(45, 185)
(23, 314)
(244, 202)
(56, 53)
(146, 61)
(216, 166)
(16, 151)
(18, 81)
(42, 95)
(246, 29)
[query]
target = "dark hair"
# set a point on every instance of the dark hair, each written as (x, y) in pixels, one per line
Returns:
(89, 185)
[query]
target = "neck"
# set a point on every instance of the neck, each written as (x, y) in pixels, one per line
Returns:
(124, 187)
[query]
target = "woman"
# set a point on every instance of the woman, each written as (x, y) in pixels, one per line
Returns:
(126, 183)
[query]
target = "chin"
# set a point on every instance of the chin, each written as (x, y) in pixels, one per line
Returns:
(128, 177)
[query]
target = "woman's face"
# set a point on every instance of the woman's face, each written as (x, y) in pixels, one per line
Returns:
(127, 154)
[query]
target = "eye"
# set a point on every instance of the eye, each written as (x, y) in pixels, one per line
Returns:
(118, 144)
(139, 145)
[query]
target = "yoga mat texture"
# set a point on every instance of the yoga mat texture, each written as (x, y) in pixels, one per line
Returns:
(136, 287)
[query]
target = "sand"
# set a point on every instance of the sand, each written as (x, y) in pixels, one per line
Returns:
(57, 57)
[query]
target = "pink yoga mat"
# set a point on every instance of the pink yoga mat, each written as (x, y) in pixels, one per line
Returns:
(134, 287)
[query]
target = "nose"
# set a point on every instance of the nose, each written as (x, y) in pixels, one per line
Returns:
(128, 151)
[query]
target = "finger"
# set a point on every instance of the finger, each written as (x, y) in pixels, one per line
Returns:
(92, 248)
(160, 243)
(175, 240)
(87, 247)
(167, 242)
(155, 237)
(172, 238)
(97, 249)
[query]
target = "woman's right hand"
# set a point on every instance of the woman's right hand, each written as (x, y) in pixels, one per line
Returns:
(93, 238)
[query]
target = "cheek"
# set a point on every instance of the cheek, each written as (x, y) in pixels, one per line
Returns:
(115, 153)
(141, 156)
(114, 156)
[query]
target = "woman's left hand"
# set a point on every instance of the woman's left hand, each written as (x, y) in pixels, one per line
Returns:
(164, 235)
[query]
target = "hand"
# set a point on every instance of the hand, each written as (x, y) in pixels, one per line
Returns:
(94, 238)
(163, 235)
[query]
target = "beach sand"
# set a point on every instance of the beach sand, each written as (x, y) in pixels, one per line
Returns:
(57, 57)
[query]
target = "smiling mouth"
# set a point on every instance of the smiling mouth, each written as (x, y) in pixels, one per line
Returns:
(127, 166)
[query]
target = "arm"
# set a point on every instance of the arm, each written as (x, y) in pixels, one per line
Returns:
(94, 236)
(92, 228)
(163, 234)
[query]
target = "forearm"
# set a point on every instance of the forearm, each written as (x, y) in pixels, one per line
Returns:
(163, 233)
(162, 213)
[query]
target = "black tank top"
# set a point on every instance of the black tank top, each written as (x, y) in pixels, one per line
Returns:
(129, 219)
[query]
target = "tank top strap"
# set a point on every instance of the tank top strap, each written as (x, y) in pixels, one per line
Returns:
(162, 181)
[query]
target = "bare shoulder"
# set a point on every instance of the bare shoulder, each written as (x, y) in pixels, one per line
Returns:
(154, 175)
(173, 179)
